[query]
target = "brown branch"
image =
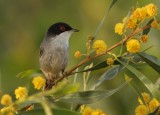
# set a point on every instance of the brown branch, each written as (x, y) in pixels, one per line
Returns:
(87, 59)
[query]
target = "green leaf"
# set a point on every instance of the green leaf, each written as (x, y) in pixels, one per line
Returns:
(151, 60)
(112, 4)
(147, 83)
(157, 84)
(104, 18)
(108, 75)
(55, 111)
(60, 90)
(65, 89)
(98, 66)
(146, 31)
(30, 73)
(111, 73)
(135, 87)
(87, 97)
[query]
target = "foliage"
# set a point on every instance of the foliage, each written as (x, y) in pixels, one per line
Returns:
(132, 28)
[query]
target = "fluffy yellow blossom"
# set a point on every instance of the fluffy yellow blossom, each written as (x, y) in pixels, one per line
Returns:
(144, 38)
(139, 100)
(119, 28)
(87, 111)
(21, 92)
(110, 61)
(133, 46)
(90, 111)
(131, 23)
(140, 13)
(38, 82)
(154, 24)
(98, 112)
(6, 111)
(77, 54)
(6, 100)
(141, 110)
(153, 104)
(151, 10)
(100, 46)
(146, 98)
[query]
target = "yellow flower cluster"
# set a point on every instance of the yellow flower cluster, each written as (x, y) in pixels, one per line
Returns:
(141, 110)
(38, 82)
(137, 16)
(21, 93)
(151, 10)
(133, 46)
(144, 38)
(119, 28)
(6, 100)
(145, 96)
(100, 46)
(110, 61)
(77, 54)
(7, 111)
(155, 24)
(149, 106)
(90, 111)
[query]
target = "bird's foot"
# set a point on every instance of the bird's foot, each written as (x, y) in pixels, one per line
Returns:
(65, 74)
(49, 84)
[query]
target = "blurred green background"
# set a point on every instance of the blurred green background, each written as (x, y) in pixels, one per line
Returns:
(23, 24)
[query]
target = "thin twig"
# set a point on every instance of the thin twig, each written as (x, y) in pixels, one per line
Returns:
(87, 59)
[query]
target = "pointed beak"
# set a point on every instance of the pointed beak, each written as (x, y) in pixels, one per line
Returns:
(75, 30)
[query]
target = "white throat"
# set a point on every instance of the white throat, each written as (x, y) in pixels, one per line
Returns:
(62, 40)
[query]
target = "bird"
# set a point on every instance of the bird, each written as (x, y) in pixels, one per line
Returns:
(54, 52)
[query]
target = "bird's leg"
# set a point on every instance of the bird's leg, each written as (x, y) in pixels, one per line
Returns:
(64, 73)
(49, 84)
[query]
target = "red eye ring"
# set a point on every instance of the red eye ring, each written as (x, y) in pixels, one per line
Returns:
(62, 28)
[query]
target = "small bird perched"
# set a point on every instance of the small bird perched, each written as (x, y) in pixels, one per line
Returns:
(54, 52)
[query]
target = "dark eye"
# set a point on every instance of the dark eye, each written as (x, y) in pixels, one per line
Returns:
(62, 28)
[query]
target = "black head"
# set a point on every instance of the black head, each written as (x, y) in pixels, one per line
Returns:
(59, 28)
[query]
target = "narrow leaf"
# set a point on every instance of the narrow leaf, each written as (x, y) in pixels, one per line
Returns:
(146, 31)
(65, 89)
(108, 75)
(112, 4)
(30, 73)
(111, 73)
(104, 18)
(62, 89)
(98, 66)
(157, 84)
(87, 97)
(151, 60)
(135, 87)
(147, 83)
